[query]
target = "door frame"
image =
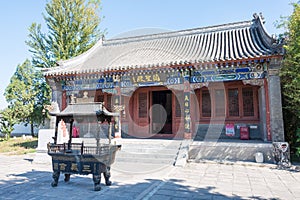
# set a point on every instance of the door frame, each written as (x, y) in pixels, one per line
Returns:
(176, 121)
(167, 91)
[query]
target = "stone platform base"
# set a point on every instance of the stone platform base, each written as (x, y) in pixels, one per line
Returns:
(230, 150)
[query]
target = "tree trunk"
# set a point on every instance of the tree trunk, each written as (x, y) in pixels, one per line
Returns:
(31, 129)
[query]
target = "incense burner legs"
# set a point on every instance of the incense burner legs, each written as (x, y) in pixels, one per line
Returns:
(97, 179)
(55, 176)
(67, 177)
(107, 176)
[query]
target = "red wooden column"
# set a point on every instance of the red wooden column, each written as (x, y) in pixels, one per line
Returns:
(268, 118)
(64, 100)
(187, 105)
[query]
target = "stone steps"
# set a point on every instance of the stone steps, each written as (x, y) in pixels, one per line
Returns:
(148, 151)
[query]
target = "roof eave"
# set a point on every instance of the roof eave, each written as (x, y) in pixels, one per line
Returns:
(270, 41)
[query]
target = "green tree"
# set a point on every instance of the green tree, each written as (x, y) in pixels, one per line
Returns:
(8, 118)
(290, 77)
(73, 28)
(25, 95)
(42, 98)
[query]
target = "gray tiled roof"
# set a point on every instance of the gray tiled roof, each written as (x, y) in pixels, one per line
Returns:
(223, 43)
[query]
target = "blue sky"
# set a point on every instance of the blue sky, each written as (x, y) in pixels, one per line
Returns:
(127, 15)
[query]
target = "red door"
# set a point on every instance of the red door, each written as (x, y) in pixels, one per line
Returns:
(140, 112)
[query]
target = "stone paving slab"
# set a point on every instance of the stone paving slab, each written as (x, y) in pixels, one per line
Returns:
(20, 178)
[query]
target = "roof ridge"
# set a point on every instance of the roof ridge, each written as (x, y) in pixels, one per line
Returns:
(214, 28)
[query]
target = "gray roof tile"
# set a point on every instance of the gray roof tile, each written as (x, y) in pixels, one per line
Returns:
(228, 42)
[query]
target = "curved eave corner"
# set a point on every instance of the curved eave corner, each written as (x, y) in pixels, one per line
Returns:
(63, 64)
(275, 45)
(82, 57)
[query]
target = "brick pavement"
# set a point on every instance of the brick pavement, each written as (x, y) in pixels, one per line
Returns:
(22, 179)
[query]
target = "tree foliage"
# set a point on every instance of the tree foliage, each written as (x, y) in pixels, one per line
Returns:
(290, 76)
(25, 96)
(8, 118)
(73, 28)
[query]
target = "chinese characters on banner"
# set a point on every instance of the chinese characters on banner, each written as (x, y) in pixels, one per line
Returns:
(187, 117)
(117, 102)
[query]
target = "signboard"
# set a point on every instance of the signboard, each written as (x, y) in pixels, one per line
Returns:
(138, 80)
(229, 128)
(88, 84)
(227, 74)
(151, 79)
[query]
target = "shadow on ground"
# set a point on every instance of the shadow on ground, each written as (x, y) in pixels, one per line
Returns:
(37, 185)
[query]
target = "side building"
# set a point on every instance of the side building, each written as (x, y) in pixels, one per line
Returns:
(204, 83)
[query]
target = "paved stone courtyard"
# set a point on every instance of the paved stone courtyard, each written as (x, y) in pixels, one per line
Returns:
(20, 178)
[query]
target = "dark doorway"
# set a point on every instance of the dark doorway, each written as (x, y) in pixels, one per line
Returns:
(162, 112)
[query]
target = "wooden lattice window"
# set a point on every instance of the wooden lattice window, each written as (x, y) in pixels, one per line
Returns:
(248, 104)
(206, 103)
(219, 102)
(233, 102)
(142, 105)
